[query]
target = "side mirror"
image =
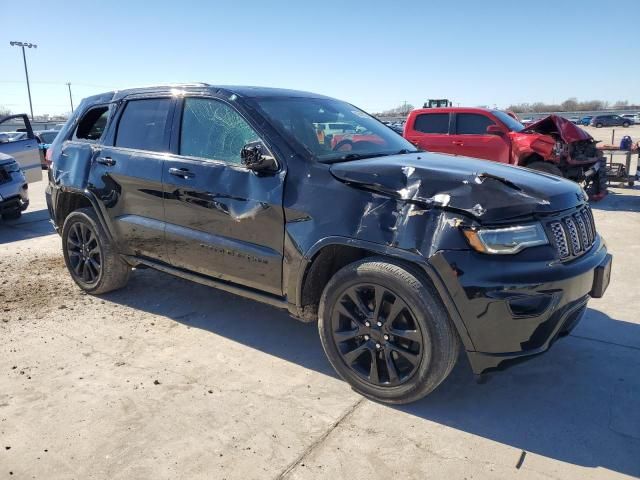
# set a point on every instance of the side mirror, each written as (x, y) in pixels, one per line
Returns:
(494, 130)
(256, 157)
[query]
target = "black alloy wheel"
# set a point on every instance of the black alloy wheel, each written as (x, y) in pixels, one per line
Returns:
(83, 250)
(93, 262)
(377, 335)
(386, 331)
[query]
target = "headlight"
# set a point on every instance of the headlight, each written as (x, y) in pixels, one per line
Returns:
(502, 241)
(12, 167)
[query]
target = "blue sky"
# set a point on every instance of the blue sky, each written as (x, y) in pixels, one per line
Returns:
(375, 54)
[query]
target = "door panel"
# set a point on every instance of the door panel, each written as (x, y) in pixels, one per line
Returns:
(25, 151)
(430, 132)
(471, 140)
(127, 177)
(128, 183)
(226, 222)
(222, 220)
(486, 147)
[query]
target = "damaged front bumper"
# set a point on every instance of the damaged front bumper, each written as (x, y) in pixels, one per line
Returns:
(513, 310)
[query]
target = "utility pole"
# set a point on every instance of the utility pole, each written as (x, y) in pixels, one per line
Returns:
(26, 72)
(70, 97)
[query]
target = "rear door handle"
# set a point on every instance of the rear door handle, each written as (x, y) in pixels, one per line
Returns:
(460, 144)
(108, 161)
(181, 172)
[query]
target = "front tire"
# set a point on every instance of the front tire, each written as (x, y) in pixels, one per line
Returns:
(92, 261)
(386, 332)
(625, 124)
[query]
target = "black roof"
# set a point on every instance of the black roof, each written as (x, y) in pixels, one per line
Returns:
(240, 90)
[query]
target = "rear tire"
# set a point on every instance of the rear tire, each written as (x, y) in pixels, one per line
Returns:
(546, 167)
(411, 344)
(91, 259)
(625, 124)
(598, 125)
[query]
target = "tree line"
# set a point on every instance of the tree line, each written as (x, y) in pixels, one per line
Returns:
(572, 105)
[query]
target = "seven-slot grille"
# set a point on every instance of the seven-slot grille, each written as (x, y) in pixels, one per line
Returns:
(573, 234)
(4, 176)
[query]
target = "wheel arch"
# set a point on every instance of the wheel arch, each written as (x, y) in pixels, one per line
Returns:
(328, 256)
(529, 159)
(69, 200)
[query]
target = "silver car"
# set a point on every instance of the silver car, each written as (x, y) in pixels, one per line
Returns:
(14, 193)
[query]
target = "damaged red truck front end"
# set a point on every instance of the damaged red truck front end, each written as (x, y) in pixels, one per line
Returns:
(552, 144)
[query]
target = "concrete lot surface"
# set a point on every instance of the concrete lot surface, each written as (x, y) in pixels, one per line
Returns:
(168, 379)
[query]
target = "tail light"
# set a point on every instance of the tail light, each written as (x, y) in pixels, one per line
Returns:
(48, 157)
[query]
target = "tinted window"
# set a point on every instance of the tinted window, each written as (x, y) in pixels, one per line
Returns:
(432, 123)
(212, 129)
(472, 124)
(93, 124)
(143, 124)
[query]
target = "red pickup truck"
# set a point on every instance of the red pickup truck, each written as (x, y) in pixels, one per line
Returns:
(552, 144)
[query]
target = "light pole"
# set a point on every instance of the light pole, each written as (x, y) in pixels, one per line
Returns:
(70, 97)
(26, 72)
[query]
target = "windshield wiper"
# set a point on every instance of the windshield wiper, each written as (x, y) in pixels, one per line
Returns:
(404, 151)
(360, 156)
(355, 156)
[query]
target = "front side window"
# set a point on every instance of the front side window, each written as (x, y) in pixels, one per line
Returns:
(432, 123)
(332, 130)
(214, 130)
(93, 124)
(472, 124)
(511, 123)
(143, 125)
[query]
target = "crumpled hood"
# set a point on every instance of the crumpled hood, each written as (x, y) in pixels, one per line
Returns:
(489, 191)
(568, 131)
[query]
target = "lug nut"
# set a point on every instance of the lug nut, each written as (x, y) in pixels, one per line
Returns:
(379, 324)
(367, 324)
(386, 337)
(366, 337)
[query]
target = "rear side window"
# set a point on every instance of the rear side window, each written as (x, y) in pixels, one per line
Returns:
(143, 125)
(472, 124)
(432, 123)
(93, 124)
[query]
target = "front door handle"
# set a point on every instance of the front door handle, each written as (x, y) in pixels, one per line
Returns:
(458, 143)
(181, 172)
(108, 161)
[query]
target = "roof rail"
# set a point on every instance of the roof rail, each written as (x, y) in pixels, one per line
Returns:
(164, 85)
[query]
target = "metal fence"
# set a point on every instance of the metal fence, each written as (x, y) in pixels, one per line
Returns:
(37, 126)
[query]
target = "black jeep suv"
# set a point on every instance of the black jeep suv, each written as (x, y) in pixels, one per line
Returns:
(400, 254)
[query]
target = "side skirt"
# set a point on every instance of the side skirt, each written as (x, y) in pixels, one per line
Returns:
(273, 300)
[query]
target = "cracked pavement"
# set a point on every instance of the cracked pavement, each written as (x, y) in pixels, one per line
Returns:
(168, 379)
